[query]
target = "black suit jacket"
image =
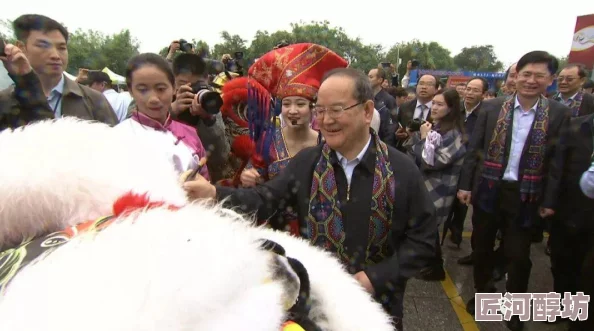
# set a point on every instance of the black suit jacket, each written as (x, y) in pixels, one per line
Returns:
(407, 111)
(481, 137)
(587, 106)
(413, 229)
(385, 103)
(575, 209)
(470, 121)
(405, 115)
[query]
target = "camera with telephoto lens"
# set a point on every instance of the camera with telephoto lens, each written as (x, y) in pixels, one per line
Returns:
(415, 125)
(208, 98)
(185, 46)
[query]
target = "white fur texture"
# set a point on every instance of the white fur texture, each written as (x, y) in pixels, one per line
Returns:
(57, 173)
(196, 269)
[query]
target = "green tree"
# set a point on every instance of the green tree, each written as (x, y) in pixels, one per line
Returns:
(563, 62)
(84, 50)
(263, 42)
(430, 55)
(117, 49)
(359, 55)
(229, 45)
(93, 50)
(478, 58)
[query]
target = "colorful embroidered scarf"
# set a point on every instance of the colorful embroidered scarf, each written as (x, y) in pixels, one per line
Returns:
(325, 227)
(531, 164)
(574, 105)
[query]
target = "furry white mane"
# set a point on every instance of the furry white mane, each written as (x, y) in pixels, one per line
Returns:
(199, 268)
(58, 173)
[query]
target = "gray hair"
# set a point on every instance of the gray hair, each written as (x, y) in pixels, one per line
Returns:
(363, 91)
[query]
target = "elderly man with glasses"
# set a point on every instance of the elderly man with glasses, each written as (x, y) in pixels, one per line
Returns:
(355, 196)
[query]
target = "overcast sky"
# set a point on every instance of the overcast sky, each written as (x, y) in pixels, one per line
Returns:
(513, 27)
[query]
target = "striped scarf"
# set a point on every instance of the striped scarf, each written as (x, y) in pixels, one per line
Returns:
(325, 227)
(531, 164)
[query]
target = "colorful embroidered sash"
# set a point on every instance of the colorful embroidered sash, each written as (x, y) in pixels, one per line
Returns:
(14, 259)
(531, 163)
(325, 227)
(574, 105)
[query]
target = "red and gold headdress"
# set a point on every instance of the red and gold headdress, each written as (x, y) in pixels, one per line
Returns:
(294, 70)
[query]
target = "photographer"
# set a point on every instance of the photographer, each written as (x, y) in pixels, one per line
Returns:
(179, 45)
(26, 102)
(191, 85)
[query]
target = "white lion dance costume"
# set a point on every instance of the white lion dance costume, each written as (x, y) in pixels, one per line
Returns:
(96, 234)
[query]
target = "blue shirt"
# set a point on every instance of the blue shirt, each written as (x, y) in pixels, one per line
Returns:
(55, 98)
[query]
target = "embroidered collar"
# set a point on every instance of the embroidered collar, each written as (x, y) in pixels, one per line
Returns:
(150, 122)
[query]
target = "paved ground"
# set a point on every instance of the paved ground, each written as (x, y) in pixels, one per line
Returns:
(440, 306)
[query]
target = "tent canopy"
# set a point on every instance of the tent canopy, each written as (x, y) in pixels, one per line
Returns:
(115, 78)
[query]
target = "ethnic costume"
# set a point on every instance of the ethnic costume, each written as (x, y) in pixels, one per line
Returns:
(294, 70)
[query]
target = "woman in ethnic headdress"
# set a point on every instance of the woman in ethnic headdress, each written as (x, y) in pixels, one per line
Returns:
(290, 76)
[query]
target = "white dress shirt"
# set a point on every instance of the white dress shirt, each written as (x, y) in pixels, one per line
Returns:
(522, 124)
(349, 166)
(419, 110)
(119, 102)
(375, 121)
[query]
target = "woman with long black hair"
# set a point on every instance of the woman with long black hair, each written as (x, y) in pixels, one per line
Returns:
(438, 149)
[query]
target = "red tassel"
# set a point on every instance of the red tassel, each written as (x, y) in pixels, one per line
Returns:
(243, 147)
(131, 202)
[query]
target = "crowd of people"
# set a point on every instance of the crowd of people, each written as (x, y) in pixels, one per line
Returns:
(302, 141)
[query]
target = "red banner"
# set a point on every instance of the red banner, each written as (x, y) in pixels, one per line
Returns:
(582, 47)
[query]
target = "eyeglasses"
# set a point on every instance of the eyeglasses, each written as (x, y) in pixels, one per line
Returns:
(567, 79)
(333, 111)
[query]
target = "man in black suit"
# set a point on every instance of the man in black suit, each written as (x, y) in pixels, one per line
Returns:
(572, 231)
(510, 155)
(419, 108)
(571, 79)
(384, 103)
